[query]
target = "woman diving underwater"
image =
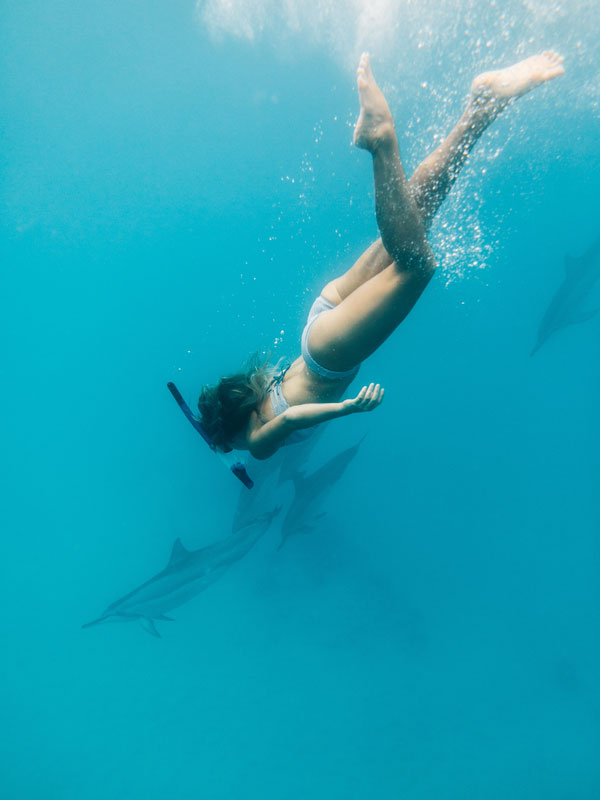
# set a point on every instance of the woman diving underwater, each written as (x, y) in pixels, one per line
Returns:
(260, 410)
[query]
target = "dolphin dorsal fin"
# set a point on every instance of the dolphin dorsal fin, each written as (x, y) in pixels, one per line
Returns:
(177, 553)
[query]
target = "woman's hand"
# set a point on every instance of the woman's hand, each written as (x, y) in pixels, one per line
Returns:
(367, 399)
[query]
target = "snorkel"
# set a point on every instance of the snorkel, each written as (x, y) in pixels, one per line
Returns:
(235, 466)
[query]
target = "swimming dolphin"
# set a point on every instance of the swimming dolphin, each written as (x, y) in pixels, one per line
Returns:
(567, 305)
(310, 490)
(269, 476)
(295, 456)
(251, 505)
(187, 573)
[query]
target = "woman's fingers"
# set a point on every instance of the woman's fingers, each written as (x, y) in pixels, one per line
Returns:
(361, 394)
(374, 397)
(369, 397)
(365, 396)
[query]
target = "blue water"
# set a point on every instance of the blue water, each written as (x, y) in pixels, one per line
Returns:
(176, 190)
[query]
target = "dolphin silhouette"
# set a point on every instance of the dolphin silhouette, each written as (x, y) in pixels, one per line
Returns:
(567, 305)
(269, 476)
(251, 505)
(310, 490)
(187, 573)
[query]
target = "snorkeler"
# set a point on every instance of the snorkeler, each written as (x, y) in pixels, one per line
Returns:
(261, 409)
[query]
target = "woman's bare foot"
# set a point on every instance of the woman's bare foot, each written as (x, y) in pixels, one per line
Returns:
(491, 91)
(375, 124)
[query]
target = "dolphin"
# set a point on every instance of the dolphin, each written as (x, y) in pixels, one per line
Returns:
(269, 476)
(296, 455)
(310, 490)
(567, 307)
(187, 573)
(251, 504)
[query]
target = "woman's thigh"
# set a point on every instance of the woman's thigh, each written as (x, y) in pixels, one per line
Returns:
(348, 334)
(371, 262)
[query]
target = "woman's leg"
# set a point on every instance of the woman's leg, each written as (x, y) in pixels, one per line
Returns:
(346, 335)
(491, 92)
(431, 182)
(396, 269)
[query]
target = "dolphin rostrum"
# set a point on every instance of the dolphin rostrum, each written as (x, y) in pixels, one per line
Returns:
(187, 573)
(567, 307)
(305, 509)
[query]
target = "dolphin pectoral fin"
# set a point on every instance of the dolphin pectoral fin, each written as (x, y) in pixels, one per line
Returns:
(148, 625)
(583, 316)
(164, 618)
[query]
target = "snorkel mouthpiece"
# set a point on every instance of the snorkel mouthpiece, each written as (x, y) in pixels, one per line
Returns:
(238, 469)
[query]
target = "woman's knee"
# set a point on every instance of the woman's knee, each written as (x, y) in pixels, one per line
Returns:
(331, 293)
(416, 259)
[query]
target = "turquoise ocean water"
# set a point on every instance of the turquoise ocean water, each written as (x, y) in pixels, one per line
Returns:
(178, 185)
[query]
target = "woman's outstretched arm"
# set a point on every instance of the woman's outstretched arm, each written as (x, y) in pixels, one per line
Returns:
(265, 440)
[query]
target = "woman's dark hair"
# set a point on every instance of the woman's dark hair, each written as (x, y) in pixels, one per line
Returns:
(225, 408)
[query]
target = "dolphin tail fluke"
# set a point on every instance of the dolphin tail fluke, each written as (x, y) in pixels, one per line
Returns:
(264, 517)
(148, 625)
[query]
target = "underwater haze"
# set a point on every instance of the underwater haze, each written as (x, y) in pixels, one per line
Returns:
(421, 619)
